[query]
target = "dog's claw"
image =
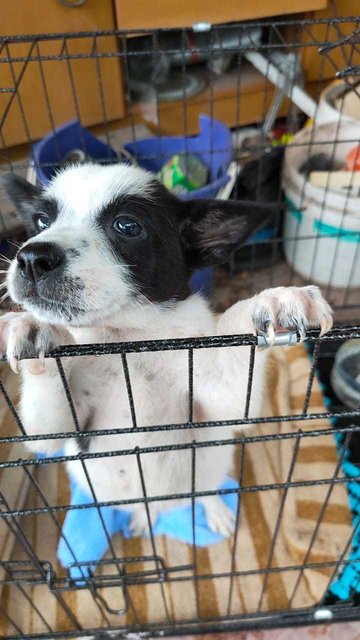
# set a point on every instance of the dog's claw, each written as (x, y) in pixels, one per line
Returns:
(325, 326)
(14, 364)
(271, 334)
(302, 331)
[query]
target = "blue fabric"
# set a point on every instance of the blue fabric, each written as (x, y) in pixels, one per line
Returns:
(84, 538)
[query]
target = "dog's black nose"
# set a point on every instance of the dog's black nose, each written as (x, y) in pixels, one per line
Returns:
(37, 260)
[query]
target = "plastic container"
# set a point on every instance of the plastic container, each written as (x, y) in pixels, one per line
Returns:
(321, 228)
(326, 111)
(353, 159)
(57, 144)
(213, 145)
(345, 374)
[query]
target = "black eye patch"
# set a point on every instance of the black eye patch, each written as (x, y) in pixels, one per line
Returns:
(143, 233)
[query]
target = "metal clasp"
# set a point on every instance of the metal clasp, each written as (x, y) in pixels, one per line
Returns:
(282, 339)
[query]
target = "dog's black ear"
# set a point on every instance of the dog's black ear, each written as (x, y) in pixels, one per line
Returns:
(212, 229)
(24, 195)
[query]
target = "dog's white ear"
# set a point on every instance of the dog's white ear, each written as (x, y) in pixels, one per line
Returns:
(24, 195)
(212, 229)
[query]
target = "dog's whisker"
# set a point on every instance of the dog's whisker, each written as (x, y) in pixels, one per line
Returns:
(6, 295)
(14, 243)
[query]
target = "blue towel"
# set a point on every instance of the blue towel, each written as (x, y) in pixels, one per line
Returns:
(84, 539)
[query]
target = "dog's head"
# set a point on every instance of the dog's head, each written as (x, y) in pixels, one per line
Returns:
(111, 236)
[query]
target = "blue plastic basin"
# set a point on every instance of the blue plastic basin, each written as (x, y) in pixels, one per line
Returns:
(56, 145)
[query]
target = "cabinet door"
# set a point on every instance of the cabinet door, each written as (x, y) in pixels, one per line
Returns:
(164, 13)
(44, 85)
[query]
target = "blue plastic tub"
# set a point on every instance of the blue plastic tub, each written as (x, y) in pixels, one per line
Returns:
(57, 144)
(213, 145)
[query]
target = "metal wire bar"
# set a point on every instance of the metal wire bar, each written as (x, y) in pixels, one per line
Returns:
(209, 424)
(250, 381)
(213, 624)
(105, 121)
(120, 54)
(274, 486)
(74, 91)
(233, 572)
(156, 56)
(320, 517)
(47, 103)
(314, 364)
(60, 585)
(191, 383)
(11, 621)
(174, 344)
(41, 494)
(194, 547)
(152, 537)
(278, 522)
(16, 529)
(129, 389)
(80, 457)
(12, 409)
(16, 82)
(28, 598)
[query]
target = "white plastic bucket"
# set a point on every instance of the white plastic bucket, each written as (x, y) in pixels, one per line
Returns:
(322, 227)
(326, 111)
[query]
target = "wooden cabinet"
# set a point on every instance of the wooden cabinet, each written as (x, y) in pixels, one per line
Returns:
(143, 14)
(42, 94)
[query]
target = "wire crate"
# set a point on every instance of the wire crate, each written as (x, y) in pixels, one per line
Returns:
(293, 558)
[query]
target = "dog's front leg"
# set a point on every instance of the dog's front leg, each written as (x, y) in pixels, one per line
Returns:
(43, 406)
(221, 381)
(222, 387)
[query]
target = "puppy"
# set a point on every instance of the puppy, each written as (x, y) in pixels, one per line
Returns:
(111, 262)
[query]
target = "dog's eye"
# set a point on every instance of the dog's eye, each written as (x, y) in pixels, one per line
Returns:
(41, 221)
(127, 227)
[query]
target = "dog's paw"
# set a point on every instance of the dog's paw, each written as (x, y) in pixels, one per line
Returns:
(219, 517)
(22, 336)
(291, 309)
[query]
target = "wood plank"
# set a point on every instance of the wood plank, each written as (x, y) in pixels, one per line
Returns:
(136, 15)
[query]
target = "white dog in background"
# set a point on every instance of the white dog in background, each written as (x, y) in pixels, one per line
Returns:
(111, 262)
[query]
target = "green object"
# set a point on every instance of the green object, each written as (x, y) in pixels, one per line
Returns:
(183, 173)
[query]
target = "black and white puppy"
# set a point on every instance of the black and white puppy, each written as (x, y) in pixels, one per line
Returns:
(111, 262)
